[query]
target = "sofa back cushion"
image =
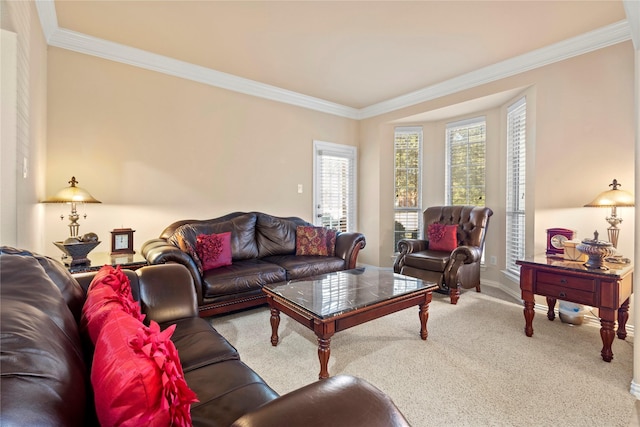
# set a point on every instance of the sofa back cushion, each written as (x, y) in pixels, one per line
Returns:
(277, 236)
(42, 363)
(242, 228)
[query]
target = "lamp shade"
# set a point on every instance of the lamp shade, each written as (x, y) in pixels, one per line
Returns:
(71, 194)
(612, 198)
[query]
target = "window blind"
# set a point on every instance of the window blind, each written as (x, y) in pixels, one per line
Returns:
(335, 197)
(465, 170)
(407, 183)
(515, 191)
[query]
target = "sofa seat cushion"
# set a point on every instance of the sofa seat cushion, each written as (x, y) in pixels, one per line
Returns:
(299, 266)
(43, 375)
(199, 344)
(427, 260)
(241, 276)
(226, 391)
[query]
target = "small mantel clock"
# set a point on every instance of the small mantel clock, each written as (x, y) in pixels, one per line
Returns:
(556, 238)
(122, 241)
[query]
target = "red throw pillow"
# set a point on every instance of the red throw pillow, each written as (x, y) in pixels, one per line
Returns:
(101, 302)
(110, 290)
(114, 277)
(214, 250)
(442, 237)
(315, 241)
(137, 377)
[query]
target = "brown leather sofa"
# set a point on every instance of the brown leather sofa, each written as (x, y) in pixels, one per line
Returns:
(263, 248)
(454, 269)
(45, 368)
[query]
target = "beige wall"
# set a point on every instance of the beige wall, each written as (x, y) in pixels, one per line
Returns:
(155, 148)
(27, 145)
(581, 136)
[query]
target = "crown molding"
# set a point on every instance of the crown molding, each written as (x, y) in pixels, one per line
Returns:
(632, 10)
(89, 45)
(105, 49)
(585, 43)
(48, 18)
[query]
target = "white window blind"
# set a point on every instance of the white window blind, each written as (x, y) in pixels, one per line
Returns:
(465, 171)
(407, 183)
(516, 168)
(334, 186)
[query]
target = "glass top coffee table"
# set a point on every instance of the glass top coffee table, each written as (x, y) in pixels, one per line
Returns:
(333, 302)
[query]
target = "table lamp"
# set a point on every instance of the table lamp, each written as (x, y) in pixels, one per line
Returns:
(614, 198)
(75, 246)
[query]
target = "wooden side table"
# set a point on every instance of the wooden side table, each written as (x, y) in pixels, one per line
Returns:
(99, 259)
(608, 290)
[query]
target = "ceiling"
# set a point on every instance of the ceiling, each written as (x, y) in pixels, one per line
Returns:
(352, 53)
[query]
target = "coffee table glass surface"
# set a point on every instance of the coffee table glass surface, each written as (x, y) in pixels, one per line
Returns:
(338, 293)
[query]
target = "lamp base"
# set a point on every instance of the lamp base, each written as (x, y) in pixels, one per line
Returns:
(76, 253)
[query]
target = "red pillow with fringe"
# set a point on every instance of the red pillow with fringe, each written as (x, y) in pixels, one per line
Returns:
(137, 377)
(109, 290)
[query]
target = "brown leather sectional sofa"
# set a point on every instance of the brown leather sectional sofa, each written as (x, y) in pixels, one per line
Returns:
(263, 248)
(45, 362)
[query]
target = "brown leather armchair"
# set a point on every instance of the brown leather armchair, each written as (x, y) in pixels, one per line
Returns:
(450, 270)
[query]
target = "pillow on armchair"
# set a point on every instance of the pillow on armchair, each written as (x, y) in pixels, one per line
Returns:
(442, 237)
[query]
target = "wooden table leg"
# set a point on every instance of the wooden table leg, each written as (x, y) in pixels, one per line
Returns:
(528, 318)
(607, 320)
(551, 313)
(324, 331)
(623, 316)
(324, 351)
(424, 315)
(275, 322)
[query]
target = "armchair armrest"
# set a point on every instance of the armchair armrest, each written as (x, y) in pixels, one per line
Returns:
(467, 254)
(408, 246)
(348, 247)
(337, 401)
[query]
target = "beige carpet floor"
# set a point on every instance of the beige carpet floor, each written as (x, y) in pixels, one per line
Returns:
(477, 368)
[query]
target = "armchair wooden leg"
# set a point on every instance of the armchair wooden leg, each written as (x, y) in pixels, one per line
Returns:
(478, 288)
(454, 294)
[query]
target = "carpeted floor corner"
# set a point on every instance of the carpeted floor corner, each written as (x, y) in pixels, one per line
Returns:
(477, 368)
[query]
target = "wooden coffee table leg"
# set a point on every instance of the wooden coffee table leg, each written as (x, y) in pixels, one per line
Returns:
(275, 322)
(424, 315)
(324, 351)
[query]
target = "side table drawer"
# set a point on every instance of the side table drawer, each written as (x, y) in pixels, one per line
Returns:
(587, 285)
(567, 294)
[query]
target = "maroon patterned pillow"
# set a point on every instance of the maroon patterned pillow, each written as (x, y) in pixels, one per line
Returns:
(214, 250)
(442, 237)
(315, 241)
(187, 247)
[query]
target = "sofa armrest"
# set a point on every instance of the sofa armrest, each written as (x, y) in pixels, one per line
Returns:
(348, 247)
(166, 293)
(337, 401)
(408, 246)
(158, 251)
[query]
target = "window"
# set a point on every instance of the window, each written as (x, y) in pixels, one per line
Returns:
(407, 183)
(515, 203)
(334, 195)
(466, 147)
